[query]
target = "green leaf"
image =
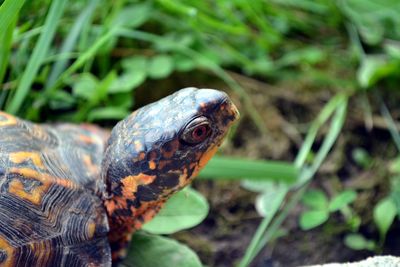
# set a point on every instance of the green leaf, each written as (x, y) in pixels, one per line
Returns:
(133, 16)
(315, 199)
(61, 99)
(236, 168)
(150, 250)
(258, 186)
(395, 165)
(184, 210)
(395, 192)
(127, 82)
(361, 157)
(85, 86)
(392, 49)
(108, 113)
(313, 218)
(342, 200)
(183, 63)
(160, 66)
(136, 63)
(384, 214)
(368, 73)
(270, 200)
(358, 242)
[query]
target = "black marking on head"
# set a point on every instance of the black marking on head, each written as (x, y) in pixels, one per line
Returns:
(147, 193)
(123, 212)
(168, 180)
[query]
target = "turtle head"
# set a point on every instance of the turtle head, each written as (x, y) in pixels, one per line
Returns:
(161, 147)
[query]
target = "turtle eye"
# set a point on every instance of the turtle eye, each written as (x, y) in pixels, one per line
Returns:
(196, 131)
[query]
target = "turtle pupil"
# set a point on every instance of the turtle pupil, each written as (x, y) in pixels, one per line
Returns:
(200, 133)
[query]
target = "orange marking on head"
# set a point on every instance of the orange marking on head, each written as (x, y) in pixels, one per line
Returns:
(152, 165)
(183, 178)
(115, 203)
(19, 157)
(130, 186)
(110, 205)
(204, 159)
(9, 119)
(130, 183)
(147, 216)
(207, 156)
(142, 155)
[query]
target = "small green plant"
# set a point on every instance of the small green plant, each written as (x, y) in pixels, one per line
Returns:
(320, 207)
(384, 215)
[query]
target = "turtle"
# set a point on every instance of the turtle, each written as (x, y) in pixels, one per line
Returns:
(73, 194)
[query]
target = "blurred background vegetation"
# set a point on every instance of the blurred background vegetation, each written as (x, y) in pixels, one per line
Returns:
(317, 85)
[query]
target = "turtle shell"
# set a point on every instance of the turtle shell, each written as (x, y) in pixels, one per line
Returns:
(51, 211)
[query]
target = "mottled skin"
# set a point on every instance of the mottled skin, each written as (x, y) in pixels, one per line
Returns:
(68, 198)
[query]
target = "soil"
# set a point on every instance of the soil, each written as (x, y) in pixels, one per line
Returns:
(286, 111)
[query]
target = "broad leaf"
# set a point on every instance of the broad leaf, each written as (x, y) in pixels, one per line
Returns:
(342, 199)
(315, 199)
(358, 242)
(384, 214)
(151, 250)
(184, 210)
(160, 67)
(313, 218)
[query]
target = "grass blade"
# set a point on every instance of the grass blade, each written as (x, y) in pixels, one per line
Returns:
(394, 132)
(265, 231)
(8, 16)
(5, 49)
(8, 11)
(71, 41)
(252, 250)
(235, 168)
(80, 61)
(38, 54)
(323, 116)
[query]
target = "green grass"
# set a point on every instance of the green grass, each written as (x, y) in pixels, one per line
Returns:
(38, 55)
